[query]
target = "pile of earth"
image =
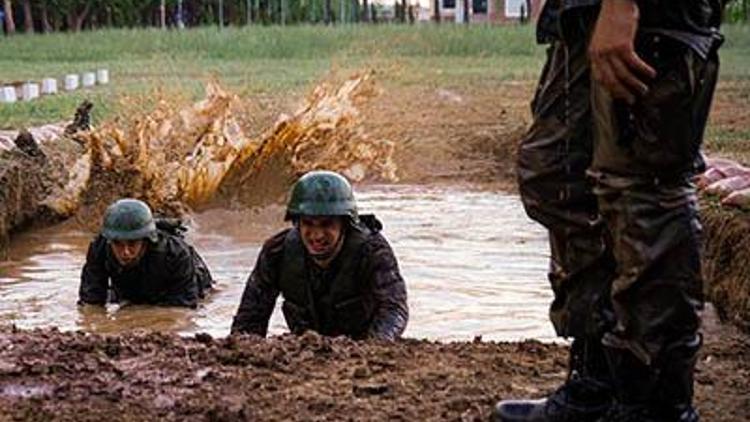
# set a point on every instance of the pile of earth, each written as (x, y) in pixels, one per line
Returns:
(49, 375)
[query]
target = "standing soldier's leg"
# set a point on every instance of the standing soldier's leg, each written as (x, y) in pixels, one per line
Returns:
(645, 157)
(552, 163)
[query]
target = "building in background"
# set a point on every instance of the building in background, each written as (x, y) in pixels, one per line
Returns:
(487, 11)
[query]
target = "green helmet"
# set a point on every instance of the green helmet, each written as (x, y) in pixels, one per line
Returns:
(322, 193)
(129, 219)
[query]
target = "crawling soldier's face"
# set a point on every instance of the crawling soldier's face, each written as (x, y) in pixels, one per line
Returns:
(128, 252)
(321, 235)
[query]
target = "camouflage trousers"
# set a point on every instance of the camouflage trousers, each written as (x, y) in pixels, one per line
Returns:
(612, 184)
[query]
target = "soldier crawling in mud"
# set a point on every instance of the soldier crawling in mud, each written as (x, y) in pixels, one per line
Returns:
(623, 100)
(136, 259)
(336, 272)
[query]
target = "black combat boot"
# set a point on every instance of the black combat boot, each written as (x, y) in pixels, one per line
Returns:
(584, 397)
(674, 402)
(635, 386)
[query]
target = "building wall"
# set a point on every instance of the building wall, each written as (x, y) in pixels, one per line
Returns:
(496, 12)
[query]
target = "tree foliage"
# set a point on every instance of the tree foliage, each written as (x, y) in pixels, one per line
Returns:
(76, 15)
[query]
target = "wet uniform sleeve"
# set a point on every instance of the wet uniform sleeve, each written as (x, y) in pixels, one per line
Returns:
(389, 292)
(261, 290)
(182, 289)
(94, 276)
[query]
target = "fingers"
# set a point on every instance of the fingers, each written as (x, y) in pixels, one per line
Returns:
(622, 73)
(627, 78)
(604, 72)
(635, 63)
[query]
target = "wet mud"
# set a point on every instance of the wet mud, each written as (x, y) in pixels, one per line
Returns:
(30, 183)
(46, 375)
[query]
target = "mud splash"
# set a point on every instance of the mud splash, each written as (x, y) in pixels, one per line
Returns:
(180, 157)
(175, 158)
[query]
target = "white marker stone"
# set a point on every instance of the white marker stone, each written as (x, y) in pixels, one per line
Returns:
(49, 86)
(29, 91)
(8, 94)
(102, 76)
(71, 82)
(89, 79)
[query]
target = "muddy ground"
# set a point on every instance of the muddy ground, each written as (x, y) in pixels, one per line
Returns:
(466, 136)
(47, 375)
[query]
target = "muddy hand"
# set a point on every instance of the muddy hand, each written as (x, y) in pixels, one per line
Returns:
(614, 62)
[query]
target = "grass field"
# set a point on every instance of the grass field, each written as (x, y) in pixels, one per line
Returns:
(269, 60)
(279, 61)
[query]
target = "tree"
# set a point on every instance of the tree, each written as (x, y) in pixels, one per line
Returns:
(28, 17)
(163, 14)
(45, 20)
(10, 24)
(75, 12)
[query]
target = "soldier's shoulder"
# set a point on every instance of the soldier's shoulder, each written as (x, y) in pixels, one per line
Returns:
(98, 241)
(378, 246)
(274, 245)
(371, 223)
(98, 245)
(170, 245)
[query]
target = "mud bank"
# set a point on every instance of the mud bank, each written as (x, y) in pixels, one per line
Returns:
(726, 263)
(48, 375)
(30, 181)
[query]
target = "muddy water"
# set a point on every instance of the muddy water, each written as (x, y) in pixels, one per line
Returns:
(474, 265)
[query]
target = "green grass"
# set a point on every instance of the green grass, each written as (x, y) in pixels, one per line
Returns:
(729, 143)
(269, 60)
(280, 61)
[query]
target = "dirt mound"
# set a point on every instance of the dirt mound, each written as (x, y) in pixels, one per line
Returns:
(463, 134)
(29, 179)
(726, 265)
(48, 375)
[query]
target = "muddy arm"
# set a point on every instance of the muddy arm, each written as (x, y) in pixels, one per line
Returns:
(94, 277)
(260, 294)
(183, 286)
(389, 291)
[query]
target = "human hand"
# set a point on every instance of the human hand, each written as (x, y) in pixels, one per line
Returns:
(614, 62)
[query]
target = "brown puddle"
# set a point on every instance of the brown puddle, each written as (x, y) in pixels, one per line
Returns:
(473, 262)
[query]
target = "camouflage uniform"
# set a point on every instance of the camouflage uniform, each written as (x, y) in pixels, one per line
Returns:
(361, 294)
(612, 184)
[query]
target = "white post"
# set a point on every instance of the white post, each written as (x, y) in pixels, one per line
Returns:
(102, 76)
(89, 79)
(49, 86)
(8, 94)
(71, 82)
(459, 16)
(29, 91)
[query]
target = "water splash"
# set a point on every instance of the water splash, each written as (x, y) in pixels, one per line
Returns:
(175, 157)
